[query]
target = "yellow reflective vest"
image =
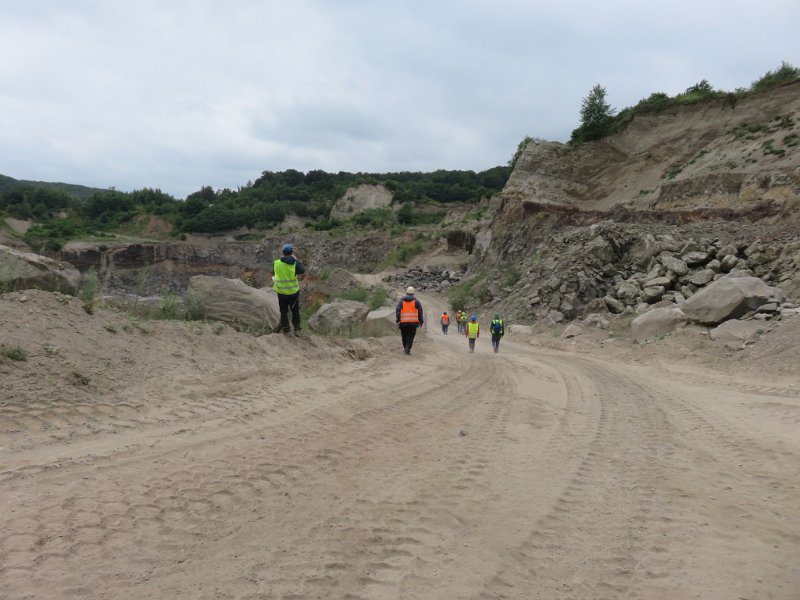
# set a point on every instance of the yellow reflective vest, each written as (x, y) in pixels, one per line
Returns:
(285, 280)
(472, 330)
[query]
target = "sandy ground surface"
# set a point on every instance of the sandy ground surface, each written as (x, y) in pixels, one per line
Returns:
(144, 459)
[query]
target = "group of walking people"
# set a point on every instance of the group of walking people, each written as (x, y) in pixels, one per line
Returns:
(409, 317)
(469, 327)
(288, 270)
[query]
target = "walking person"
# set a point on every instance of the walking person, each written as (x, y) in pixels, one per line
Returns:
(497, 329)
(445, 322)
(286, 272)
(458, 320)
(408, 316)
(462, 322)
(473, 332)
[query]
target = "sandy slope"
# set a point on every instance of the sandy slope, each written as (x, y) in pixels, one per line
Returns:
(224, 467)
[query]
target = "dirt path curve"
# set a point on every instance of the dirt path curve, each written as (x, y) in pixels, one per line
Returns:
(443, 475)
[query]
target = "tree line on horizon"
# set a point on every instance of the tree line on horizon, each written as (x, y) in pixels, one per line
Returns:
(60, 215)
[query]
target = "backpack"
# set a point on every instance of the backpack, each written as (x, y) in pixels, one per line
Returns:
(497, 326)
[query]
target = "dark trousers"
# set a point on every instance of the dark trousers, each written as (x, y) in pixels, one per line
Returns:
(444, 328)
(407, 333)
(496, 341)
(286, 302)
(471, 344)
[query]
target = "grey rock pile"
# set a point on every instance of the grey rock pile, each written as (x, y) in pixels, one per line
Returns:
(619, 268)
(425, 278)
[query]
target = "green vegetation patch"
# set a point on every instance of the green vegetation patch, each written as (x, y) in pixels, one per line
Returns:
(374, 297)
(469, 294)
(13, 353)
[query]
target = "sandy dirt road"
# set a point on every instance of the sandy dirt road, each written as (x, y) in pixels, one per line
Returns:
(443, 475)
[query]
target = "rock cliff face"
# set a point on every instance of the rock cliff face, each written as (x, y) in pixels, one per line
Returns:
(612, 225)
(717, 154)
(361, 198)
(146, 269)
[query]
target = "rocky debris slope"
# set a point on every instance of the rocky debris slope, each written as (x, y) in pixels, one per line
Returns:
(629, 268)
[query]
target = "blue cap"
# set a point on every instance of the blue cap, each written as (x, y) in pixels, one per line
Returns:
(287, 248)
(473, 318)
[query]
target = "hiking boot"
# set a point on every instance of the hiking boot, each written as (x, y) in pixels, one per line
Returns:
(287, 333)
(297, 333)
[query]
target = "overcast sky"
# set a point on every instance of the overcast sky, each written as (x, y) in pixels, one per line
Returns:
(178, 94)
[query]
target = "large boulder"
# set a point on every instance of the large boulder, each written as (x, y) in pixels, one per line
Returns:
(337, 315)
(729, 298)
(734, 333)
(24, 270)
(518, 329)
(381, 321)
(657, 322)
(234, 302)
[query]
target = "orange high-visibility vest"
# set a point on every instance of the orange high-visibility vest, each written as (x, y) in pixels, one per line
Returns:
(445, 320)
(409, 312)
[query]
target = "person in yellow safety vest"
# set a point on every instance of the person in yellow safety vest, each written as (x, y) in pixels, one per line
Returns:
(445, 322)
(462, 322)
(285, 273)
(497, 329)
(408, 316)
(473, 332)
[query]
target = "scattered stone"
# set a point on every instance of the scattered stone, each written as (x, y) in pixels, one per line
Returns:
(613, 305)
(674, 264)
(769, 307)
(657, 322)
(695, 258)
(702, 277)
(597, 320)
(653, 293)
(664, 282)
(572, 330)
(628, 292)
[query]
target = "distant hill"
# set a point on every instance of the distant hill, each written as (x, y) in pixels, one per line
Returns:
(81, 191)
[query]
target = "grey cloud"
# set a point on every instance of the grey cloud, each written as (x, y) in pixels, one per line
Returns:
(183, 94)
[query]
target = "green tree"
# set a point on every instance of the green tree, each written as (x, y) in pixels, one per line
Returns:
(596, 117)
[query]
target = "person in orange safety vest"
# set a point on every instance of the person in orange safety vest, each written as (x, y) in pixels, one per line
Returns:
(409, 317)
(445, 322)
